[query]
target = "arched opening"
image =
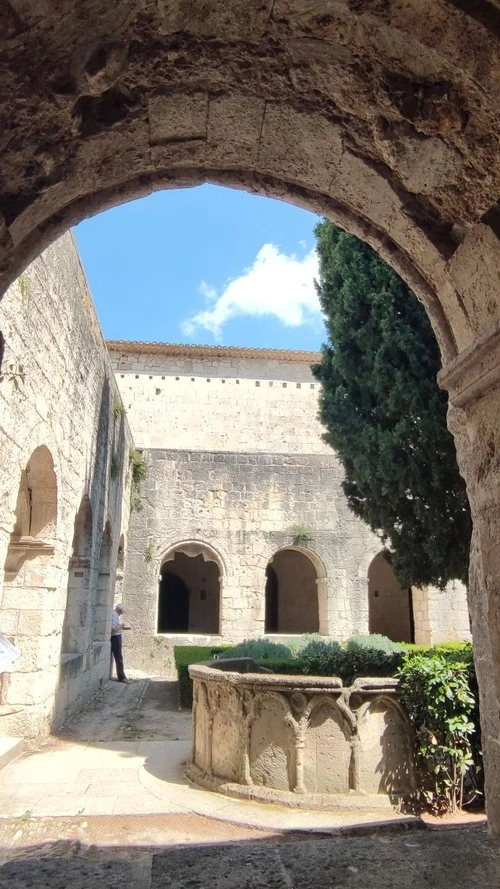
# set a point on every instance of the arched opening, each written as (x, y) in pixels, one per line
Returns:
(30, 590)
(291, 594)
(389, 604)
(104, 594)
(189, 594)
(79, 582)
(120, 568)
(36, 513)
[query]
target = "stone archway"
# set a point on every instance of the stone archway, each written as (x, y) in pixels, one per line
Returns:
(104, 592)
(79, 582)
(389, 604)
(30, 590)
(291, 593)
(189, 593)
(381, 116)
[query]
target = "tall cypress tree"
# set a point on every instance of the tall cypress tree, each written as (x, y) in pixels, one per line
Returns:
(385, 414)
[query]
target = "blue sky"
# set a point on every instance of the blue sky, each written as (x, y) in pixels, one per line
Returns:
(204, 265)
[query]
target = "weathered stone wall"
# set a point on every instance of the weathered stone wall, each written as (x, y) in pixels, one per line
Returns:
(56, 594)
(237, 460)
(245, 507)
(441, 615)
(205, 398)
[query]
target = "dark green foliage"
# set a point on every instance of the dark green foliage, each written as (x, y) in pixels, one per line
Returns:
(358, 658)
(439, 691)
(140, 470)
(260, 649)
(184, 655)
(289, 666)
(374, 642)
(385, 415)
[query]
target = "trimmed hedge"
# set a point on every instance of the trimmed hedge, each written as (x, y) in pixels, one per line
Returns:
(361, 656)
(184, 655)
(261, 650)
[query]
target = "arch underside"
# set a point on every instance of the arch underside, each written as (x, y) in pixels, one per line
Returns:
(382, 119)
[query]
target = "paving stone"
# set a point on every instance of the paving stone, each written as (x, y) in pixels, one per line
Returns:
(442, 860)
(219, 867)
(62, 873)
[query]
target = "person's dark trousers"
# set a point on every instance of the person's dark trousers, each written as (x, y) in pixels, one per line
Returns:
(116, 648)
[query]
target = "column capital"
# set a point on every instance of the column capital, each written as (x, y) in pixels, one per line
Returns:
(475, 370)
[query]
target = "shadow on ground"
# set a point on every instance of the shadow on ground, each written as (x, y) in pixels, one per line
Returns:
(439, 859)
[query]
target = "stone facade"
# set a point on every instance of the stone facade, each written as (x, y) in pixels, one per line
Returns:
(206, 398)
(236, 466)
(63, 508)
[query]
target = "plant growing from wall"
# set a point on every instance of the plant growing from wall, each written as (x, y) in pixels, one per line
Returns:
(139, 469)
(148, 553)
(23, 283)
(15, 375)
(436, 690)
(118, 408)
(115, 465)
(302, 535)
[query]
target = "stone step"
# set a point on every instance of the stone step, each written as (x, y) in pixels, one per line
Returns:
(10, 748)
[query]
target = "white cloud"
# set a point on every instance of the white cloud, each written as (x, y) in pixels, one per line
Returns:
(276, 284)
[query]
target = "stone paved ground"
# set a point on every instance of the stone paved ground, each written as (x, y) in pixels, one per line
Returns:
(106, 804)
(124, 754)
(412, 860)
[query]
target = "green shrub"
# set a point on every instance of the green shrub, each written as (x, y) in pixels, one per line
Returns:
(298, 644)
(184, 655)
(373, 655)
(260, 650)
(374, 642)
(288, 666)
(322, 657)
(362, 656)
(437, 690)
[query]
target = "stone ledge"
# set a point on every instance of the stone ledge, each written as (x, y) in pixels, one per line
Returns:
(10, 748)
(351, 801)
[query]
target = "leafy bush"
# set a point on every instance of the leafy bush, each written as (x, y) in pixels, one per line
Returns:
(322, 657)
(260, 650)
(287, 666)
(437, 690)
(362, 656)
(297, 644)
(184, 655)
(374, 642)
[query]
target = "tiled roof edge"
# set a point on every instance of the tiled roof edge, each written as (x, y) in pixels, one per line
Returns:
(130, 347)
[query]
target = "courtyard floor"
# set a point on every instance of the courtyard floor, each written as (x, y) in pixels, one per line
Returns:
(106, 803)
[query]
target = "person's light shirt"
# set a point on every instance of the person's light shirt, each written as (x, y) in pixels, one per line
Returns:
(116, 624)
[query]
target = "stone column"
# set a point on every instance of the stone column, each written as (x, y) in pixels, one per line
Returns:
(473, 382)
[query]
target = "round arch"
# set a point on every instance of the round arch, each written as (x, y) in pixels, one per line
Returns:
(190, 590)
(269, 100)
(389, 604)
(296, 592)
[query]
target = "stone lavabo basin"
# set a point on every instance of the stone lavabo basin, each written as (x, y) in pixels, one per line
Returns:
(303, 741)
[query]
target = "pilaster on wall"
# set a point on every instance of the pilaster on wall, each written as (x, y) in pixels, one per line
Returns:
(473, 383)
(440, 615)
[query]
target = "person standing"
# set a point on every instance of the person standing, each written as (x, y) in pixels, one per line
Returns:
(117, 628)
